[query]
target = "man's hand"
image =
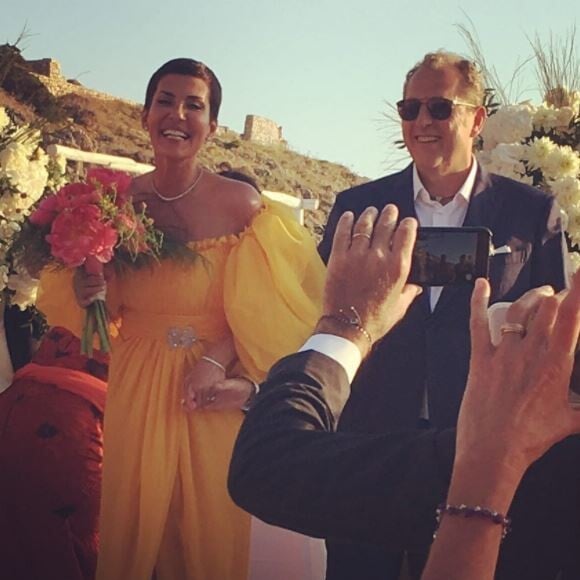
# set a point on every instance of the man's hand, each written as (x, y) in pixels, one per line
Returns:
(368, 270)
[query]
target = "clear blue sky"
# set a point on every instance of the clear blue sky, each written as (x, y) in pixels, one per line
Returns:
(322, 69)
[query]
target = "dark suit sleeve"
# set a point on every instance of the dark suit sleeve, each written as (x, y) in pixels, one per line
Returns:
(291, 469)
(548, 266)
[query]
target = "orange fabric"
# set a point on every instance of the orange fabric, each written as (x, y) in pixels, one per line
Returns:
(78, 382)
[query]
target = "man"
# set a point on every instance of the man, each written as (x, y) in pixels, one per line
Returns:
(415, 377)
(289, 468)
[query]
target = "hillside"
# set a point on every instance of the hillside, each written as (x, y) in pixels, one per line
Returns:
(78, 117)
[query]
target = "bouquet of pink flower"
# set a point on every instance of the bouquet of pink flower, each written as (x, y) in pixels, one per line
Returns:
(88, 224)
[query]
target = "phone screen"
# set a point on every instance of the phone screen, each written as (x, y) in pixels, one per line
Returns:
(450, 256)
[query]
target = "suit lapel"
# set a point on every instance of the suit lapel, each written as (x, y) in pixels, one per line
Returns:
(400, 193)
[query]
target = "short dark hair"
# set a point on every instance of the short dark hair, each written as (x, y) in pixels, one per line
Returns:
(240, 176)
(191, 68)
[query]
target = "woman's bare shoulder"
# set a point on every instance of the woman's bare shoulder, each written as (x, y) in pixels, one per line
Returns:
(243, 200)
(140, 188)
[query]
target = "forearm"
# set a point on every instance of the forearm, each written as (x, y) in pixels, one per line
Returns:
(289, 468)
(468, 547)
(222, 352)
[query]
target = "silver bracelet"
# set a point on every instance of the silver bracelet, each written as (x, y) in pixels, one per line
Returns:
(214, 362)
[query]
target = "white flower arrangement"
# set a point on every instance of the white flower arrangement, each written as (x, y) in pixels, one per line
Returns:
(26, 174)
(540, 146)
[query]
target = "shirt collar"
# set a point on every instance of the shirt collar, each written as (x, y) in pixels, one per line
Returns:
(464, 191)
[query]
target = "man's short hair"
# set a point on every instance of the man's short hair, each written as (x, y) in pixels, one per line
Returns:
(472, 88)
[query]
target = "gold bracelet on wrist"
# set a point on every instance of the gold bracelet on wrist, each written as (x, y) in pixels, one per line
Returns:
(214, 362)
(350, 318)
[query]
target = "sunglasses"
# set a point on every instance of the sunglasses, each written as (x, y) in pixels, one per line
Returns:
(439, 108)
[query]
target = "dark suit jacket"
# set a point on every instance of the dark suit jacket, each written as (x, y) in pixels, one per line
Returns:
(289, 468)
(431, 350)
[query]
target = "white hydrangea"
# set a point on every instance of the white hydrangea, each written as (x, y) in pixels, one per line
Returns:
(4, 119)
(3, 276)
(505, 159)
(24, 287)
(26, 172)
(510, 124)
(8, 229)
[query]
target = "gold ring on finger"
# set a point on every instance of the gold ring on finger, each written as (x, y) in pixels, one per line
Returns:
(361, 234)
(513, 328)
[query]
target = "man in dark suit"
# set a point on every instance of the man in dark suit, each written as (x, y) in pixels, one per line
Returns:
(415, 376)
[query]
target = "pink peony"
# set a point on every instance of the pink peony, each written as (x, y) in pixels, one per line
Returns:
(109, 179)
(46, 211)
(77, 194)
(77, 234)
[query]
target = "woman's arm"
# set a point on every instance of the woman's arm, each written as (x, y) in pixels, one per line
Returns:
(514, 409)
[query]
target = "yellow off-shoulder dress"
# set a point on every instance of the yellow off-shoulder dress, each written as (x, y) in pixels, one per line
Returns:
(165, 507)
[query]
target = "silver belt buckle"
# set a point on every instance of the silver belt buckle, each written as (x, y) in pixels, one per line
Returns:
(181, 337)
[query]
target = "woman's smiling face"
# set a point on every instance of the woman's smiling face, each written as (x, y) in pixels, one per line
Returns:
(179, 120)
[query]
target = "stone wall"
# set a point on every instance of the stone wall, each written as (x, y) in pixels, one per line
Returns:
(262, 130)
(45, 66)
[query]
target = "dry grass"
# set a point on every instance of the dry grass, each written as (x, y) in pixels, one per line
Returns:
(113, 126)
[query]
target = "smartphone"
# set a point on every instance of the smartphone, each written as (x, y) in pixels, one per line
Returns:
(450, 256)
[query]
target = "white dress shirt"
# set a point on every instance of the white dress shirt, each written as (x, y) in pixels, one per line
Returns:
(432, 213)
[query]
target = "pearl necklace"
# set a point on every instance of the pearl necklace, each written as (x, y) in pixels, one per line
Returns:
(179, 195)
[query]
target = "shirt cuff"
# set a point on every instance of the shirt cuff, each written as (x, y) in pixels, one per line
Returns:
(339, 349)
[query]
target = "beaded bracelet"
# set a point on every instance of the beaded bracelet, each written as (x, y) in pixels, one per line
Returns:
(469, 512)
(214, 362)
(353, 320)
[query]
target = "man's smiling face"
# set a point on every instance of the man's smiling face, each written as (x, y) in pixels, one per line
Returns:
(441, 147)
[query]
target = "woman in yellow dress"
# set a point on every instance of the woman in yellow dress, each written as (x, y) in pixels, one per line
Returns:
(251, 294)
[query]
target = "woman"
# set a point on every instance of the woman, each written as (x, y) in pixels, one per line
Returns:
(250, 292)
